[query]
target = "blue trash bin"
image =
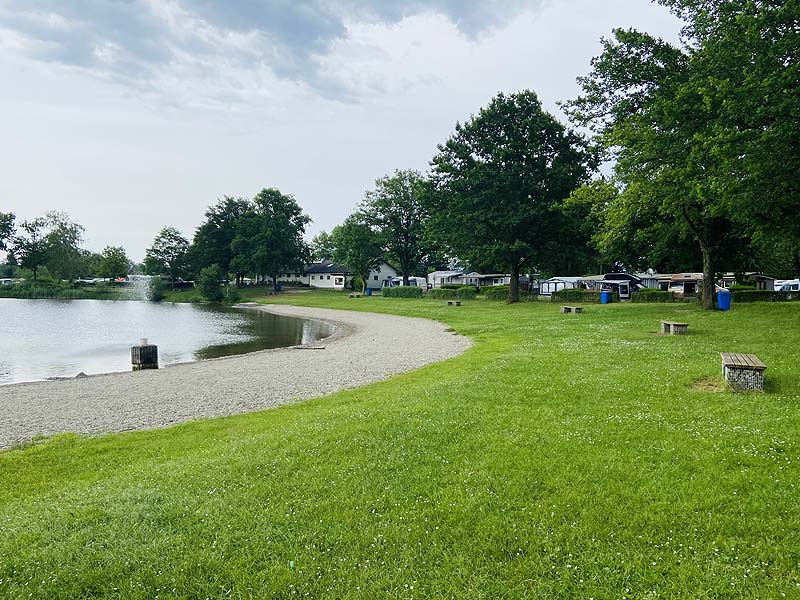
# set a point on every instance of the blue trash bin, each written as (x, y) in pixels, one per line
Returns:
(369, 291)
(724, 300)
(605, 297)
(278, 287)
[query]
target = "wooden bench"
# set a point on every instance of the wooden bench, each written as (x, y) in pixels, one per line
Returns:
(575, 310)
(674, 328)
(454, 303)
(743, 372)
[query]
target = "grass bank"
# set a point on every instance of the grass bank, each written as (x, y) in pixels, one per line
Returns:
(562, 457)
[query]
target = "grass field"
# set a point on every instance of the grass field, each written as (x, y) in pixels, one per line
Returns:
(561, 457)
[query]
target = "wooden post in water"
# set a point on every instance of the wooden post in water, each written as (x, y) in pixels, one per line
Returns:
(144, 356)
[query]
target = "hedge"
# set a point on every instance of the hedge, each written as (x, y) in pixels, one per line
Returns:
(500, 292)
(463, 293)
(404, 291)
(459, 286)
(764, 296)
(579, 295)
(652, 295)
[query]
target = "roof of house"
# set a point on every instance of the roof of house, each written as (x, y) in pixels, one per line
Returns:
(327, 267)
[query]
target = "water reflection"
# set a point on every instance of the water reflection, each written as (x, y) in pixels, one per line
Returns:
(41, 339)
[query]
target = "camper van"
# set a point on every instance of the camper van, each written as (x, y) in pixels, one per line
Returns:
(792, 285)
(412, 281)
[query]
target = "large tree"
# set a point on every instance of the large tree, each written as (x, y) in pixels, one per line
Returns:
(322, 247)
(269, 237)
(396, 209)
(168, 254)
(114, 262)
(704, 133)
(357, 246)
(498, 181)
(6, 230)
(212, 244)
(30, 245)
(63, 241)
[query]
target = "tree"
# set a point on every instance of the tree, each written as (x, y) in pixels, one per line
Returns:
(209, 282)
(168, 254)
(114, 262)
(705, 135)
(6, 230)
(63, 242)
(269, 237)
(357, 246)
(30, 247)
(322, 247)
(498, 181)
(396, 209)
(212, 243)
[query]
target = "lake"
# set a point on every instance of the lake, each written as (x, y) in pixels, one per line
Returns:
(41, 339)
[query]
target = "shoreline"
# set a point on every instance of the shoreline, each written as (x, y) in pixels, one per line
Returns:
(364, 348)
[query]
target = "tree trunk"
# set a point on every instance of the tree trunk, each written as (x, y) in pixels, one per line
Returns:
(709, 283)
(405, 278)
(513, 292)
(364, 283)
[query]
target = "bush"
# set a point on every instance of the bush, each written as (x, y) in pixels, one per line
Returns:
(461, 293)
(500, 293)
(737, 287)
(233, 297)
(156, 290)
(653, 295)
(406, 291)
(209, 280)
(764, 296)
(579, 295)
(460, 286)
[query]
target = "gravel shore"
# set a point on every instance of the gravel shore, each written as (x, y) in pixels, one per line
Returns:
(365, 348)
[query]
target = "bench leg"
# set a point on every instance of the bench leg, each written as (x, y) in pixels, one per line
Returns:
(665, 328)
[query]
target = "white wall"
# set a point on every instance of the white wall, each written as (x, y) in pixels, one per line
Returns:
(377, 277)
(327, 281)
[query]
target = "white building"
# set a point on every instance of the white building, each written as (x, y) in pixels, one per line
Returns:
(328, 275)
(383, 273)
(439, 278)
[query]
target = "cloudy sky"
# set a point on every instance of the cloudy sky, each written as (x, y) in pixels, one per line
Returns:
(131, 115)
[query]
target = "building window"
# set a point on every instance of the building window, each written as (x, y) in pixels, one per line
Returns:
(329, 276)
(313, 277)
(376, 278)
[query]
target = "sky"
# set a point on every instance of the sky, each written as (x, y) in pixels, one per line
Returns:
(135, 115)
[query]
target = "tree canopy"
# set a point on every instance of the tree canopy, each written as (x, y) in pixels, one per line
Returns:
(498, 180)
(168, 254)
(357, 246)
(396, 209)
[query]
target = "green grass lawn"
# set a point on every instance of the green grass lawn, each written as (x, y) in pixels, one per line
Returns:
(561, 457)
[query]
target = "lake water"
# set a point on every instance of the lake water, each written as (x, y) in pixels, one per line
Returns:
(41, 339)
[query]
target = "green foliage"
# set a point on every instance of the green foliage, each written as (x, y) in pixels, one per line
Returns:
(156, 289)
(64, 258)
(114, 262)
(396, 210)
(458, 286)
(209, 281)
(30, 245)
(357, 246)
(579, 295)
(322, 247)
(502, 293)
(7, 229)
(497, 180)
(212, 243)
(457, 293)
(269, 237)
(764, 296)
(406, 291)
(168, 255)
(652, 295)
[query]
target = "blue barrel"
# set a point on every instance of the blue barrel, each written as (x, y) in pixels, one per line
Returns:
(724, 300)
(369, 291)
(605, 297)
